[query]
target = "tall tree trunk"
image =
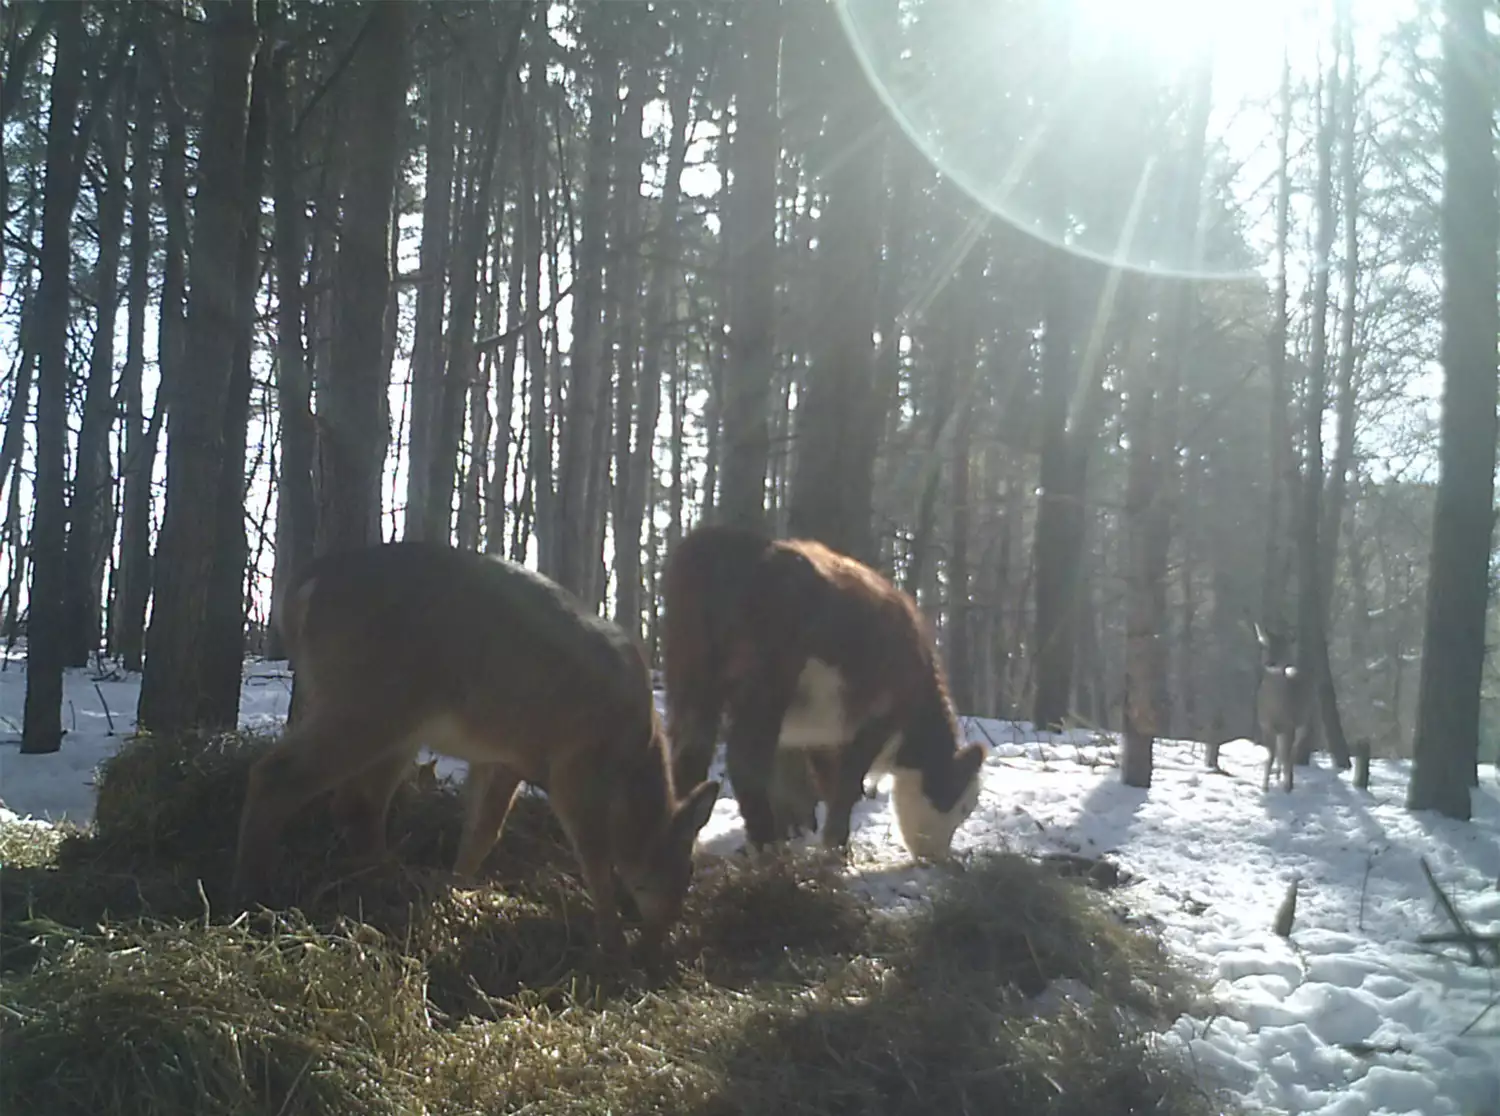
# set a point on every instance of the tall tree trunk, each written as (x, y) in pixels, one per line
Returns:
(1188, 667)
(20, 403)
(41, 730)
(462, 371)
(427, 339)
(754, 156)
(1446, 746)
(1343, 453)
(630, 403)
(471, 502)
(296, 507)
(530, 249)
(676, 505)
(1153, 482)
(839, 421)
(1312, 633)
(172, 686)
(350, 408)
(1282, 481)
(462, 366)
(1144, 517)
(170, 343)
(574, 527)
(225, 614)
(134, 577)
(1006, 633)
(941, 402)
(21, 55)
(494, 492)
(659, 290)
(960, 649)
(1055, 580)
(89, 528)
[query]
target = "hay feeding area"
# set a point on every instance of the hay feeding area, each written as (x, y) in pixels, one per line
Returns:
(125, 987)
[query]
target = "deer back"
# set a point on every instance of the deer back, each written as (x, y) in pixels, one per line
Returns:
(489, 660)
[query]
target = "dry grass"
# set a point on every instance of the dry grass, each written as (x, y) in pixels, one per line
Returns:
(125, 990)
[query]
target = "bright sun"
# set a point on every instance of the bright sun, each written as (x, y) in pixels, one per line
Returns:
(1243, 38)
(987, 109)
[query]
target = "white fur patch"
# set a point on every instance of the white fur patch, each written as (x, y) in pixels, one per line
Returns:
(1290, 672)
(927, 831)
(817, 717)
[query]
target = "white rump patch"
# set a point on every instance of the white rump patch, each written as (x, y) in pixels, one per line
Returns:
(817, 717)
(927, 831)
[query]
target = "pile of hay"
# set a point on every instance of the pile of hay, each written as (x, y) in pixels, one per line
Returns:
(126, 990)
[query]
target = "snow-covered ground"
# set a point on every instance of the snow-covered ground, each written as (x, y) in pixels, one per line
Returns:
(1348, 1017)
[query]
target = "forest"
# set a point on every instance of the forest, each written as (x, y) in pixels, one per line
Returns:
(1104, 362)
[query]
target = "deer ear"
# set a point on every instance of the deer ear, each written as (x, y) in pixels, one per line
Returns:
(1260, 634)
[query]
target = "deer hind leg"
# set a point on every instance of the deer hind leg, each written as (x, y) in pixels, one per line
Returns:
(490, 789)
(313, 757)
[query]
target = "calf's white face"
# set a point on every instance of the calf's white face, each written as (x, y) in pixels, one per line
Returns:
(927, 831)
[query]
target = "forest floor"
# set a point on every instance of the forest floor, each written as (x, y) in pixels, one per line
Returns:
(1151, 982)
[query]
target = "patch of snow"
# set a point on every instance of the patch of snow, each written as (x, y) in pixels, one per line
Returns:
(1347, 1017)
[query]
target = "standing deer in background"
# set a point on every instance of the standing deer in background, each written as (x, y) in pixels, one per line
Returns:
(1283, 705)
(405, 644)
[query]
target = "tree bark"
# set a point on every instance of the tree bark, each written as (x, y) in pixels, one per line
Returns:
(41, 730)
(574, 527)
(494, 492)
(89, 512)
(539, 475)
(960, 650)
(427, 339)
(1282, 481)
(1055, 560)
(134, 577)
(296, 507)
(172, 686)
(630, 402)
(1446, 746)
(462, 372)
(350, 407)
(1344, 406)
(839, 422)
(1144, 518)
(1312, 633)
(754, 156)
(225, 617)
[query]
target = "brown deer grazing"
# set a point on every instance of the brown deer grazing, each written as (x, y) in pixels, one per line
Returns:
(809, 651)
(1283, 705)
(405, 644)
